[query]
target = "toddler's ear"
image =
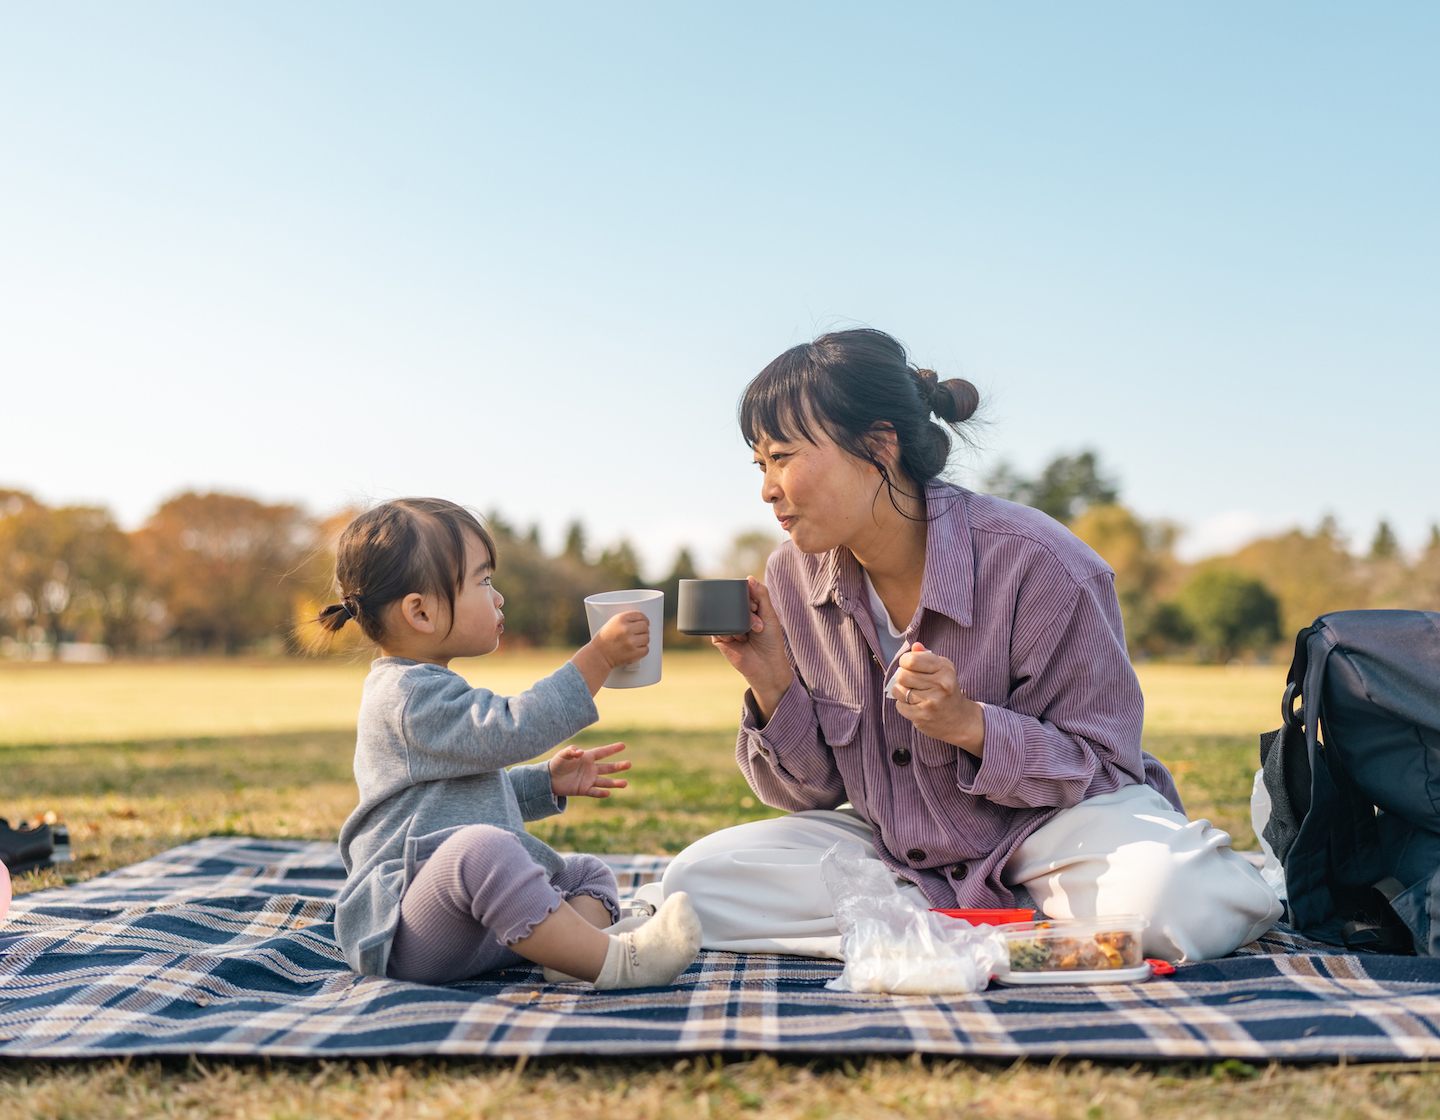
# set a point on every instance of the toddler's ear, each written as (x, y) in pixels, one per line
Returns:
(416, 614)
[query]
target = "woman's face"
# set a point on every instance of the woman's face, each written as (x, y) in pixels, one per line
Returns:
(822, 496)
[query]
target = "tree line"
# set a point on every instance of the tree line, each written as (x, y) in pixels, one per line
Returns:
(225, 574)
(1252, 601)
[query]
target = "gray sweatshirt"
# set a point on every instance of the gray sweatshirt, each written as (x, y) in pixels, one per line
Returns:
(430, 758)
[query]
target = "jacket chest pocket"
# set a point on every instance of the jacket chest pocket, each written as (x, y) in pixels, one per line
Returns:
(839, 721)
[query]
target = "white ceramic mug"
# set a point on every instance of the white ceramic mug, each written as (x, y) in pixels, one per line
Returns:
(599, 609)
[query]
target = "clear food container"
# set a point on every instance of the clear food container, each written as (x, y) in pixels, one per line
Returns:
(1074, 951)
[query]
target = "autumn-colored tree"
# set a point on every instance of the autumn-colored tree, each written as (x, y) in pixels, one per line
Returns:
(1425, 576)
(69, 571)
(1309, 573)
(1146, 571)
(226, 568)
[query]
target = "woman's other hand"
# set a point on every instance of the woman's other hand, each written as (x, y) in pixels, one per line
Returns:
(577, 773)
(759, 656)
(928, 694)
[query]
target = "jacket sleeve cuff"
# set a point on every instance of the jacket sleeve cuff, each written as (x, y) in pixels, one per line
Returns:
(532, 790)
(790, 731)
(1002, 764)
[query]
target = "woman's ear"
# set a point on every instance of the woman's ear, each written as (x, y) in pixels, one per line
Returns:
(417, 614)
(884, 444)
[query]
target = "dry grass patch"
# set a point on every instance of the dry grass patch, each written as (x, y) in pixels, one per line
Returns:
(714, 1087)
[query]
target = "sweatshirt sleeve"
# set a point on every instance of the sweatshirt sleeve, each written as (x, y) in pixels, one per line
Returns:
(534, 793)
(1074, 713)
(451, 730)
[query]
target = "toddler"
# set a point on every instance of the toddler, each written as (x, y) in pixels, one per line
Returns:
(443, 882)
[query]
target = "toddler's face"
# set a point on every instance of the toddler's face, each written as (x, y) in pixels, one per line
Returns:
(478, 619)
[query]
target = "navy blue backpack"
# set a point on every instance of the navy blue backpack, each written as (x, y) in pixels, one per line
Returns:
(1354, 781)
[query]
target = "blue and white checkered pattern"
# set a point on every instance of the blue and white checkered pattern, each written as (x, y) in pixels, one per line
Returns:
(224, 946)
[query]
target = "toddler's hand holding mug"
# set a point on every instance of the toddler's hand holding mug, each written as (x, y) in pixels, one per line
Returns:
(624, 639)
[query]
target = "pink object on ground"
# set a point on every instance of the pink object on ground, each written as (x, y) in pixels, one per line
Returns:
(4, 889)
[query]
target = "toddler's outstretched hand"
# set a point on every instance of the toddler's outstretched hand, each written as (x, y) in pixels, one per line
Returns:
(577, 773)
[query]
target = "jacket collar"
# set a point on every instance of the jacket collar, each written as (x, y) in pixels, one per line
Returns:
(948, 586)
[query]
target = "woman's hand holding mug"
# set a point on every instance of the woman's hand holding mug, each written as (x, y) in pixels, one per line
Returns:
(759, 656)
(928, 694)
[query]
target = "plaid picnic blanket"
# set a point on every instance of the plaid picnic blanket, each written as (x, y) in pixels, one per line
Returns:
(224, 946)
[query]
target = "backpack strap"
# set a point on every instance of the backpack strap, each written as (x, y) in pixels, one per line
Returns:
(1285, 757)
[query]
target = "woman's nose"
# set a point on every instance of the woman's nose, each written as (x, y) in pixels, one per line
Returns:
(770, 489)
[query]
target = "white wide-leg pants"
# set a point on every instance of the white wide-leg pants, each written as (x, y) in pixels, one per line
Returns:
(757, 887)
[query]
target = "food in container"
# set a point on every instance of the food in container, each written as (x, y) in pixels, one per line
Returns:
(1074, 951)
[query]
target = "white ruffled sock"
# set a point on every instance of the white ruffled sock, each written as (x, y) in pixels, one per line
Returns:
(624, 925)
(653, 955)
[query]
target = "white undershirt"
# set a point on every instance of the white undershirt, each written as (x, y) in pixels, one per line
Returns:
(891, 639)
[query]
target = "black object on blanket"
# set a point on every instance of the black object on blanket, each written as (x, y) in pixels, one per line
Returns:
(1354, 781)
(30, 848)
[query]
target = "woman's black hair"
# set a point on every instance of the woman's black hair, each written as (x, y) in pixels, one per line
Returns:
(404, 546)
(853, 384)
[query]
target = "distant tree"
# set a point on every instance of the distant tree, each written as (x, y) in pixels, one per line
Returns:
(1310, 573)
(748, 553)
(683, 568)
(1384, 546)
(68, 570)
(1229, 613)
(575, 542)
(228, 569)
(621, 564)
(1069, 485)
(545, 595)
(1424, 579)
(1140, 552)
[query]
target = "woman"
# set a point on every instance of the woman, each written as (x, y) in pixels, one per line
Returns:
(942, 676)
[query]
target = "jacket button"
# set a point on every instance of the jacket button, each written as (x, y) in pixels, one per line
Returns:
(901, 756)
(915, 855)
(960, 870)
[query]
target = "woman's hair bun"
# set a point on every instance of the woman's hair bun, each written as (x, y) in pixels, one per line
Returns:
(953, 401)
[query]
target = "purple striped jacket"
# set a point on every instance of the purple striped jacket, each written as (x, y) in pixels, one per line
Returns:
(1028, 614)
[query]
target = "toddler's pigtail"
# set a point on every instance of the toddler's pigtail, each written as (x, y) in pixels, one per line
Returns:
(333, 617)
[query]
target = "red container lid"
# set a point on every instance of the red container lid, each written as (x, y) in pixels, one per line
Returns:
(990, 917)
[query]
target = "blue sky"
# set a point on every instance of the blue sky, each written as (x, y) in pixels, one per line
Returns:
(527, 256)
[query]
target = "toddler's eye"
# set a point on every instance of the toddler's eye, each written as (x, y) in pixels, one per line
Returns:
(486, 582)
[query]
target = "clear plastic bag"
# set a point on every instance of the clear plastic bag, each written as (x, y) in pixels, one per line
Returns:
(893, 945)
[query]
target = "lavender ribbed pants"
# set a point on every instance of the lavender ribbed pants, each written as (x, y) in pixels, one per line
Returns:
(477, 895)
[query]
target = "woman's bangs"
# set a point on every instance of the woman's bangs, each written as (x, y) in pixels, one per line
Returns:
(776, 405)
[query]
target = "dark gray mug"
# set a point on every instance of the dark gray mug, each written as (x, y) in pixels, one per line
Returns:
(714, 606)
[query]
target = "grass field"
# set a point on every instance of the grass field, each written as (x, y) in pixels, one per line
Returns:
(137, 758)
